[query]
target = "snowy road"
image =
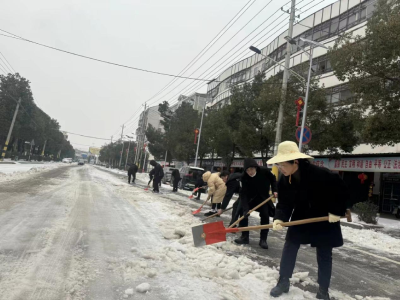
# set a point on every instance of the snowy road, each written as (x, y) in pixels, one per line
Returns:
(84, 233)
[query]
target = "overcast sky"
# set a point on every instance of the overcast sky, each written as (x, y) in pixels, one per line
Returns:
(95, 99)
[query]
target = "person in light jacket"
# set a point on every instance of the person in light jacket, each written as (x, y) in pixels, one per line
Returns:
(216, 189)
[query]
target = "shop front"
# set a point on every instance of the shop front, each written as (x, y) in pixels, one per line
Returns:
(376, 178)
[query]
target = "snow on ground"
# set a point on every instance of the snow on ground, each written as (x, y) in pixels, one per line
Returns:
(372, 239)
(219, 271)
(9, 172)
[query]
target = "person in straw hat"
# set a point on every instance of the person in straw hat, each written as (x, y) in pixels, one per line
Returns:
(307, 191)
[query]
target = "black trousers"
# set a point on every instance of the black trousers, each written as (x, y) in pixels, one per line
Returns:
(133, 175)
(324, 259)
(175, 188)
(215, 205)
(156, 184)
(264, 215)
(235, 212)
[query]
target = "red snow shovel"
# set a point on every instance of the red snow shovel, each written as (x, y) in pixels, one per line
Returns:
(248, 214)
(147, 188)
(198, 210)
(194, 191)
(212, 233)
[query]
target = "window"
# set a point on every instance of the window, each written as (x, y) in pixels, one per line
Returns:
(334, 25)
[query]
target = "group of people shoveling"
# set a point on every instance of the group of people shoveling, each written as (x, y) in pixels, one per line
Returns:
(312, 198)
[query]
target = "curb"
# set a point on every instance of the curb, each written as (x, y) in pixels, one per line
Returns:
(362, 226)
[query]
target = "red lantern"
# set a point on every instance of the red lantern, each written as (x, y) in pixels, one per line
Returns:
(362, 177)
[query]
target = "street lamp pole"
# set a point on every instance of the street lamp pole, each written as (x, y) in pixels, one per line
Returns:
(310, 55)
(303, 121)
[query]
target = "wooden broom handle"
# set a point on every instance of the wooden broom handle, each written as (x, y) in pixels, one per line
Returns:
(288, 224)
(255, 208)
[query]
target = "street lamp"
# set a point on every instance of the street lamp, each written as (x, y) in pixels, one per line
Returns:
(310, 55)
(258, 51)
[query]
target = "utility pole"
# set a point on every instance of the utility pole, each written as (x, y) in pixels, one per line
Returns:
(278, 137)
(122, 151)
(198, 142)
(10, 130)
(142, 135)
(127, 153)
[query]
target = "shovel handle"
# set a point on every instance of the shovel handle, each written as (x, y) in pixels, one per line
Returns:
(214, 215)
(288, 224)
(255, 208)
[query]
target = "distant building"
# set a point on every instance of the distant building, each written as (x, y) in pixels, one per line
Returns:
(196, 100)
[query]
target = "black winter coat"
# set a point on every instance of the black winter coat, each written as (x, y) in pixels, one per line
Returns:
(175, 175)
(318, 193)
(158, 170)
(132, 169)
(232, 187)
(256, 189)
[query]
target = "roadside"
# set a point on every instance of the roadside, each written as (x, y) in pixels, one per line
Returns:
(366, 266)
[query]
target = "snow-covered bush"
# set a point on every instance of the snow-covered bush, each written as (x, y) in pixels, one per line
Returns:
(367, 212)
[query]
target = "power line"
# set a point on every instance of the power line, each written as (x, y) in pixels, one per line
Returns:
(99, 60)
(198, 85)
(246, 49)
(201, 53)
(213, 41)
(8, 62)
(225, 45)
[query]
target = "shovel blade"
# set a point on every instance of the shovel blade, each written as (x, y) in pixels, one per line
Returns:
(191, 197)
(209, 234)
(196, 211)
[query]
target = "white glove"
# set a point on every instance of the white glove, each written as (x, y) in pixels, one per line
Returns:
(333, 218)
(277, 225)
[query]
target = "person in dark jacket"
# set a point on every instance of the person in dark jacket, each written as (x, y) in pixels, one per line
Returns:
(199, 184)
(233, 186)
(256, 184)
(158, 175)
(132, 173)
(307, 191)
(151, 175)
(175, 178)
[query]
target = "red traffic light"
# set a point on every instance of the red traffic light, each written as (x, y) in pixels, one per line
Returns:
(196, 131)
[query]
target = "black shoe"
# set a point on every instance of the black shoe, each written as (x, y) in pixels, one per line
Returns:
(263, 244)
(323, 294)
(243, 240)
(210, 213)
(282, 287)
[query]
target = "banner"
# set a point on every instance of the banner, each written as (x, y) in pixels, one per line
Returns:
(94, 151)
(363, 164)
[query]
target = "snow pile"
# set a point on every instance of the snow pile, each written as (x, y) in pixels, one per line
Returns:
(372, 239)
(21, 171)
(143, 288)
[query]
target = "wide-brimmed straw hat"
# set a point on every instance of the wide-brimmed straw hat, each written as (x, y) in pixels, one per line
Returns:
(287, 151)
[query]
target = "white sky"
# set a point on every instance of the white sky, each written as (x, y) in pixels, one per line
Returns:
(95, 99)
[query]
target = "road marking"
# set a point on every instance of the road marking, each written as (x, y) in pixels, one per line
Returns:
(374, 255)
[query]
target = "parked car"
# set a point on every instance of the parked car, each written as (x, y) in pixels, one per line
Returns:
(167, 174)
(81, 162)
(189, 176)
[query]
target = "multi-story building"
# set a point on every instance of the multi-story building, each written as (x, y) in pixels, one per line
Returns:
(369, 172)
(197, 100)
(323, 26)
(150, 116)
